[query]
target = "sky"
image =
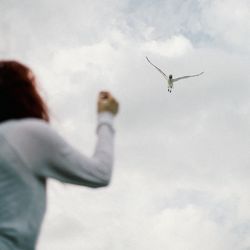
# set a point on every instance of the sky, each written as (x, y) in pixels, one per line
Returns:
(181, 173)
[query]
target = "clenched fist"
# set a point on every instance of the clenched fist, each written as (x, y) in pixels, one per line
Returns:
(106, 102)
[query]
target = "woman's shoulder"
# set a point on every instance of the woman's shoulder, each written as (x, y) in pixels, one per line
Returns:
(33, 123)
(25, 123)
(27, 126)
(31, 131)
(37, 127)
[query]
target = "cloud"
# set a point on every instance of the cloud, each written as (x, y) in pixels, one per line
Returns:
(181, 171)
(173, 47)
(228, 23)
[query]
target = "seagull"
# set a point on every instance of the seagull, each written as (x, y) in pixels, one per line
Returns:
(170, 78)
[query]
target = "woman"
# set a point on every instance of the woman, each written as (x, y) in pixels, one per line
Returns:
(31, 151)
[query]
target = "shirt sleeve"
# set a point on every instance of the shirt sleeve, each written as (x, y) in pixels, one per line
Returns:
(59, 160)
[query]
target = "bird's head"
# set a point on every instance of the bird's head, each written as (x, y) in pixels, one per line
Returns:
(170, 77)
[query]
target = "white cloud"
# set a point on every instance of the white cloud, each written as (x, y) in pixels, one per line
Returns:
(181, 172)
(228, 23)
(176, 46)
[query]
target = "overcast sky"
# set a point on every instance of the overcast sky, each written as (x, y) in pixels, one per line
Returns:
(182, 163)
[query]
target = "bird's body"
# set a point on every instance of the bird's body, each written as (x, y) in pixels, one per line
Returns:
(170, 84)
(170, 79)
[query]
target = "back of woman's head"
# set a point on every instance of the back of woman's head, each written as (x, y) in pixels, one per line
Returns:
(19, 97)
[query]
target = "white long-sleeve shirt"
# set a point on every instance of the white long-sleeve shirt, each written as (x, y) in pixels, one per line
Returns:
(30, 152)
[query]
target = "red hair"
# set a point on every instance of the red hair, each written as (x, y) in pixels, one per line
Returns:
(19, 97)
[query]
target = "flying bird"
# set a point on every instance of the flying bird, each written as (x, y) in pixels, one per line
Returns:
(170, 78)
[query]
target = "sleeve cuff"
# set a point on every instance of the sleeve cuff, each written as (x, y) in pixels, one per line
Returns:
(105, 118)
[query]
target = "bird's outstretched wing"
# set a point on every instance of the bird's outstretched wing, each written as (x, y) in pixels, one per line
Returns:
(184, 77)
(157, 68)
